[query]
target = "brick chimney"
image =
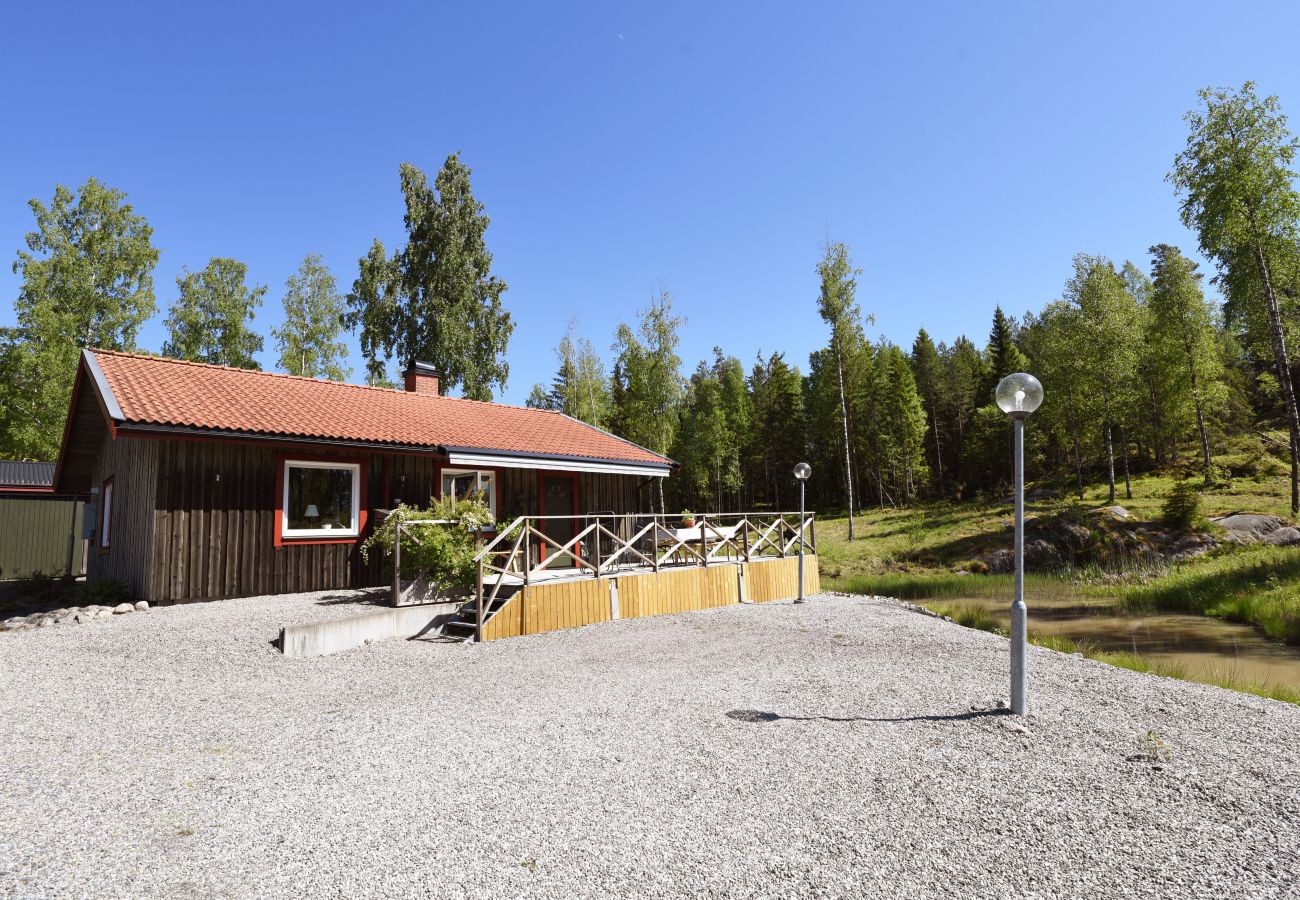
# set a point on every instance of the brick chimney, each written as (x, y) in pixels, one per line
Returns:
(421, 378)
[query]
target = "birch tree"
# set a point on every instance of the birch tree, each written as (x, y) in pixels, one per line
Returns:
(86, 280)
(1237, 188)
(1182, 326)
(839, 309)
(211, 319)
(308, 340)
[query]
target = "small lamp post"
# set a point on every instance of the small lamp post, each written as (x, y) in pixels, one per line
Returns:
(801, 473)
(1019, 395)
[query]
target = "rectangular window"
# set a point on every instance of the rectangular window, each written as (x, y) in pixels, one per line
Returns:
(462, 483)
(321, 499)
(106, 514)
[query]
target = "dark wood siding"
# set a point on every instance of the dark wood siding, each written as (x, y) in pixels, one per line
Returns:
(132, 463)
(216, 520)
(209, 531)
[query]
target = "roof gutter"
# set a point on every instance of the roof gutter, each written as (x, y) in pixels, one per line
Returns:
(518, 459)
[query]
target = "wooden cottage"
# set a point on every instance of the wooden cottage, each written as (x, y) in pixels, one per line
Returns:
(210, 482)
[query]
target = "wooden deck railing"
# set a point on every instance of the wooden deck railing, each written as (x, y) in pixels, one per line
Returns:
(609, 543)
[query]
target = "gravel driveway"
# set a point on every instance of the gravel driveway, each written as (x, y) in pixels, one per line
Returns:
(829, 749)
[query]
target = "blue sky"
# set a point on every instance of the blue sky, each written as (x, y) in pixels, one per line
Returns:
(964, 151)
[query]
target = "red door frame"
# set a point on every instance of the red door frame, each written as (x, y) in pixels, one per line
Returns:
(542, 475)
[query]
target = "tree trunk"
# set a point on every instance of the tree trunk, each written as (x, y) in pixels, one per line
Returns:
(1200, 424)
(1078, 464)
(938, 456)
(1283, 372)
(1110, 460)
(1128, 485)
(844, 417)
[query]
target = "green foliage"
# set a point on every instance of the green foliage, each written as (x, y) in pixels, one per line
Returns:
(308, 340)
(444, 551)
(1237, 189)
(647, 387)
(580, 388)
(1183, 507)
(86, 281)
(435, 300)
(837, 303)
(1004, 357)
(778, 434)
(211, 320)
(715, 433)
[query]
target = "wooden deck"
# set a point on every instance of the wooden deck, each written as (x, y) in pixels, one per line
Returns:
(581, 599)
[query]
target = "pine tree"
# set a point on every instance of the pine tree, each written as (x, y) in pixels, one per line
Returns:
(927, 372)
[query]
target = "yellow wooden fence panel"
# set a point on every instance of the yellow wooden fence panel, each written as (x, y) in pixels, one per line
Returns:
(570, 604)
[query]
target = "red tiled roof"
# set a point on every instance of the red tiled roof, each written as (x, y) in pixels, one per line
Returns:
(153, 390)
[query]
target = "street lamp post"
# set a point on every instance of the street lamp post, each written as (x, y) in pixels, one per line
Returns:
(1019, 395)
(801, 473)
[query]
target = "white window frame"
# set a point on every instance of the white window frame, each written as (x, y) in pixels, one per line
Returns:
(484, 476)
(340, 533)
(106, 514)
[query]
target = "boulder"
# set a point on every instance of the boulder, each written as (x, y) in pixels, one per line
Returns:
(141, 605)
(1247, 528)
(1037, 495)
(1282, 537)
(123, 608)
(1115, 512)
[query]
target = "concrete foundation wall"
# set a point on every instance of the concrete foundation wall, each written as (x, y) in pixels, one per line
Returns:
(320, 638)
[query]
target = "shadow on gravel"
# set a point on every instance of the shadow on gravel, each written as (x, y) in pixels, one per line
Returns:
(755, 715)
(365, 596)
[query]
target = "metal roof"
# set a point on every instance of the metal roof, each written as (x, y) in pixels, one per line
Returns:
(26, 474)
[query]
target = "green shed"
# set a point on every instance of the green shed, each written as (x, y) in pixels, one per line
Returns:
(40, 531)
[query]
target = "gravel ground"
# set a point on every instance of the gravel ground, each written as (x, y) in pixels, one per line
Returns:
(848, 747)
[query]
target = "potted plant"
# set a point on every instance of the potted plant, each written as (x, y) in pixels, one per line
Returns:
(688, 519)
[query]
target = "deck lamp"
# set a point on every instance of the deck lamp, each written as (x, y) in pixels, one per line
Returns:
(1018, 395)
(801, 473)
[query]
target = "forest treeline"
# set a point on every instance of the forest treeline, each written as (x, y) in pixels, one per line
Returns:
(1141, 367)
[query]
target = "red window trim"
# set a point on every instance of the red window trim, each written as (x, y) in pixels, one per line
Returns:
(105, 513)
(363, 512)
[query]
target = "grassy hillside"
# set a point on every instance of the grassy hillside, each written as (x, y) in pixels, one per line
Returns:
(942, 537)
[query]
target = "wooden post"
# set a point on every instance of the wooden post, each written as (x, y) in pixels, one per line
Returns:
(655, 532)
(595, 544)
(812, 532)
(744, 536)
(704, 545)
(780, 537)
(478, 620)
(528, 549)
(397, 565)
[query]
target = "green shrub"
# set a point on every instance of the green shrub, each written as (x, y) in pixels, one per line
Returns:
(1182, 509)
(444, 553)
(109, 592)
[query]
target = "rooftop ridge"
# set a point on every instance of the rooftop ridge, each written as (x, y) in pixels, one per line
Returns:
(171, 360)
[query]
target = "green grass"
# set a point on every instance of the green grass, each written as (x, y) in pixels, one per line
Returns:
(1137, 662)
(1256, 585)
(969, 617)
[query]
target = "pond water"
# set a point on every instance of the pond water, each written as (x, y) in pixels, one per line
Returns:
(1206, 648)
